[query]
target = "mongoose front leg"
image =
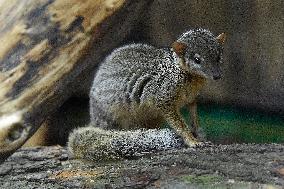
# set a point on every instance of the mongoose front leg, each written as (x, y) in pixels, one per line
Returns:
(192, 108)
(176, 122)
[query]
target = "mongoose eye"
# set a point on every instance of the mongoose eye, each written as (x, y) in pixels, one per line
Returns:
(218, 59)
(197, 60)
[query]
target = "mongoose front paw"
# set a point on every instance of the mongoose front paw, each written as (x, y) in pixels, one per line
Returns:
(193, 143)
(196, 144)
(199, 134)
(205, 144)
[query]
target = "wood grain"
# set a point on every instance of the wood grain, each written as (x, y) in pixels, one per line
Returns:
(45, 46)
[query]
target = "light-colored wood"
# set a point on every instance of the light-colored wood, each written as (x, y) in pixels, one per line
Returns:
(44, 46)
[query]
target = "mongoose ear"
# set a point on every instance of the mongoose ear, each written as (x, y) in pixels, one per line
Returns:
(179, 48)
(221, 38)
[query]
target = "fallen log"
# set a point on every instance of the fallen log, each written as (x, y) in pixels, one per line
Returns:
(47, 47)
(219, 166)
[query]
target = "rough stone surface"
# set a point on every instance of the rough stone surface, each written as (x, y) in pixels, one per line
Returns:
(221, 166)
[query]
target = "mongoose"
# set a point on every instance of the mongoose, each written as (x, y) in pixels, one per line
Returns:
(141, 86)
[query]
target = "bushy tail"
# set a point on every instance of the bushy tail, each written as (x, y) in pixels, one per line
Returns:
(97, 144)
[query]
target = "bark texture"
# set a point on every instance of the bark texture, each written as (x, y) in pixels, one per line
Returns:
(223, 166)
(48, 48)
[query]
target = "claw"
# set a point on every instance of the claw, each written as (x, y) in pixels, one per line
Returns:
(205, 144)
(197, 144)
(192, 142)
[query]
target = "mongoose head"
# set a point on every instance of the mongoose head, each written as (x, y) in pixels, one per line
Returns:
(200, 53)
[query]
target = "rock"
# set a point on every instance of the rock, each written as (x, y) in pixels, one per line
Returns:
(230, 166)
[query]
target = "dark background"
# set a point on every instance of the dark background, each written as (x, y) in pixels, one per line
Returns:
(254, 51)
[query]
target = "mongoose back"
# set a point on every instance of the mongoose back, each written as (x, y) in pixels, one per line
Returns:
(141, 86)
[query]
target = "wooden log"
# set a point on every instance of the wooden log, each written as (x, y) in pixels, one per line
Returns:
(45, 46)
(220, 166)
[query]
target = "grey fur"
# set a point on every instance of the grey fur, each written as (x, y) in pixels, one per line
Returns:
(140, 86)
(106, 145)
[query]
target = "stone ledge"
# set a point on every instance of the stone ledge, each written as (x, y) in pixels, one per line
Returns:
(230, 166)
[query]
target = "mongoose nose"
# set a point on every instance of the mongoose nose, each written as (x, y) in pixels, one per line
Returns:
(216, 77)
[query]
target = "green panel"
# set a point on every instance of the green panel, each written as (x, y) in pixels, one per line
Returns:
(224, 124)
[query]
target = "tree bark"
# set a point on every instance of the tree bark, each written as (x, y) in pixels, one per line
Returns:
(47, 46)
(223, 166)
